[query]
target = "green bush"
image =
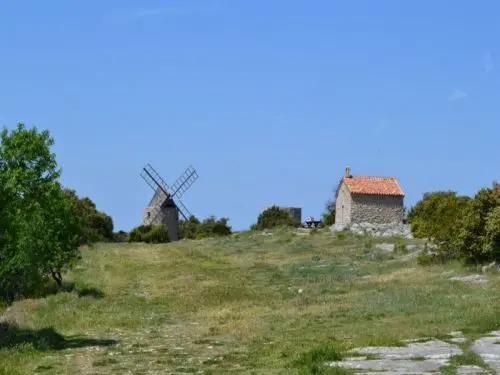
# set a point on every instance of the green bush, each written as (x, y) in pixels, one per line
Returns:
(149, 234)
(273, 217)
(328, 216)
(120, 236)
(435, 216)
(341, 235)
(158, 234)
(209, 227)
(460, 227)
(400, 247)
(477, 236)
(188, 228)
(97, 226)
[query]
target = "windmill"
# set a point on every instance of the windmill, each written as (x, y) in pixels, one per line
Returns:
(162, 208)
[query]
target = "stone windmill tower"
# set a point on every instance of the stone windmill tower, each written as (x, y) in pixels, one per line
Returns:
(165, 206)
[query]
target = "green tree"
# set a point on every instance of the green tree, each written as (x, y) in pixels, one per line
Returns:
(98, 226)
(436, 216)
(492, 234)
(476, 236)
(188, 228)
(273, 217)
(212, 227)
(329, 213)
(39, 225)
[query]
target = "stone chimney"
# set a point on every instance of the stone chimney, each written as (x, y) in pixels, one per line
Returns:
(348, 172)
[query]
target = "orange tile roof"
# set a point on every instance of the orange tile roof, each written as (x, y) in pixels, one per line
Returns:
(373, 185)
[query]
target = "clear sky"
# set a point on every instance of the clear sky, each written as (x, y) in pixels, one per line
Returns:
(268, 99)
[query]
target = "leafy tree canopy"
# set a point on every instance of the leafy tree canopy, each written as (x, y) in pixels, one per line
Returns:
(39, 229)
(273, 217)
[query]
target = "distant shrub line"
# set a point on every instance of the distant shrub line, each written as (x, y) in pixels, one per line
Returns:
(192, 228)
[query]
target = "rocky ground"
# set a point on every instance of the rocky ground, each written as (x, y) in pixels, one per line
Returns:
(428, 356)
(376, 230)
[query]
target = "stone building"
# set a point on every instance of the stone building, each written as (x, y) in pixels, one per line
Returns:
(367, 199)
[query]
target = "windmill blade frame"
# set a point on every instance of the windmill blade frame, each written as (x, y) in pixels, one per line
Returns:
(152, 178)
(184, 182)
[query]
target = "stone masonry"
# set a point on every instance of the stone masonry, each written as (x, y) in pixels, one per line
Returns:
(377, 209)
(367, 199)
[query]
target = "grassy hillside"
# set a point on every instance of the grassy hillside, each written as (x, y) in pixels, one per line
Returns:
(272, 303)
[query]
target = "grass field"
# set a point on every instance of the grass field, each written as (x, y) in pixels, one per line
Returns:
(269, 303)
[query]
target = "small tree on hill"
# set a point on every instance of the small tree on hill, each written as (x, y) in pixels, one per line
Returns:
(273, 217)
(436, 216)
(39, 226)
(209, 227)
(329, 213)
(476, 237)
(188, 228)
(149, 234)
(98, 226)
(212, 227)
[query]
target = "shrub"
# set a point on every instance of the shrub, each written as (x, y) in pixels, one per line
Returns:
(328, 216)
(97, 226)
(149, 234)
(158, 234)
(209, 227)
(368, 243)
(478, 233)
(435, 216)
(188, 228)
(273, 217)
(120, 236)
(400, 247)
(341, 235)
(492, 234)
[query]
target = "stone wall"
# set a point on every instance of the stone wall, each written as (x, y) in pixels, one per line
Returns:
(377, 209)
(343, 206)
(295, 214)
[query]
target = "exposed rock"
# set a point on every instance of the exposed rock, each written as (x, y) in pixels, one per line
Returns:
(416, 358)
(488, 348)
(473, 279)
(432, 349)
(492, 267)
(388, 366)
(376, 230)
(470, 370)
(387, 247)
(458, 340)
(411, 256)
(457, 337)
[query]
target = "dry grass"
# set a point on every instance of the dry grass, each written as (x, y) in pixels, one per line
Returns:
(267, 304)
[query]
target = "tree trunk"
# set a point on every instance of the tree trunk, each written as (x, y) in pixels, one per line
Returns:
(56, 275)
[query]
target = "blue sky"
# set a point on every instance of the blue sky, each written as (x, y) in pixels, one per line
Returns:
(268, 100)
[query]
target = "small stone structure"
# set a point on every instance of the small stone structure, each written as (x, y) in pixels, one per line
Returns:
(367, 199)
(295, 214)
